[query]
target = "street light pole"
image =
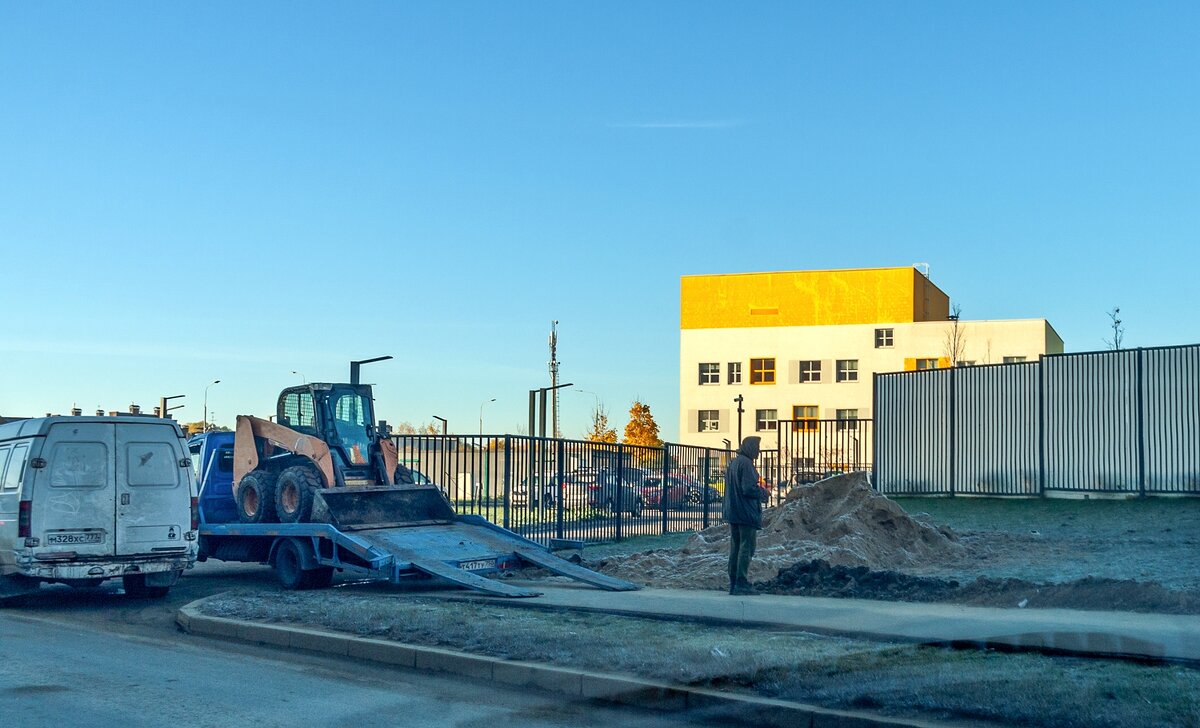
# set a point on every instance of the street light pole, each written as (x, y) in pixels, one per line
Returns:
(542, 402)
(481, 404)
(445, 424)
(739, 399)
(303, 379)
(354, 366)
(595, 410)
(204, 422)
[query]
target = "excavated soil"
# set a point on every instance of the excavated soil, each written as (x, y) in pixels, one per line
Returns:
(840, 520)
(839, 538)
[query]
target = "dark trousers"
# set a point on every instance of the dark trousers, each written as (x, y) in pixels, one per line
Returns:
(742, 541)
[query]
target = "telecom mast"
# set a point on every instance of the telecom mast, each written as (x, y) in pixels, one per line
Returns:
(554, 379)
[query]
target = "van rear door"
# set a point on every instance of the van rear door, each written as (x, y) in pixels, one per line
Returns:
(73, 497)
(153, 490)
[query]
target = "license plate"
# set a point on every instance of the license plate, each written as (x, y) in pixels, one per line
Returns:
(477, 565)
(69, 539)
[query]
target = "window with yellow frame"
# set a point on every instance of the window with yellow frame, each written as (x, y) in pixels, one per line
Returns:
(805, 417)
(762, 371)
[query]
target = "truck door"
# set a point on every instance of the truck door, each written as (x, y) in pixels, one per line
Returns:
(73, 498)
(153, 490)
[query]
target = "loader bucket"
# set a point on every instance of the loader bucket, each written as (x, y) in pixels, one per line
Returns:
(381, 507)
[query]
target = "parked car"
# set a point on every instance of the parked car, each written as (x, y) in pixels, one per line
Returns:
(611, 493)
(681, 491)
(574, 495)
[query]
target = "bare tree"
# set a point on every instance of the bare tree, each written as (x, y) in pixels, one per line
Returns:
(956, 336)
(1118, 330)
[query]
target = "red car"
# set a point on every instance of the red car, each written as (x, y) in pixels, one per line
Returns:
(682, 491)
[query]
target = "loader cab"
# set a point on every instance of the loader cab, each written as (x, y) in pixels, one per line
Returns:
(342, 415)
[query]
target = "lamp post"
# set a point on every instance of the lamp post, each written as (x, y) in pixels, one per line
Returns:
(355, 365)
(533, 403)
(303, 379)
(481, 404)
(595, 409)
(163, 409)
(204, 422)
(445, 424)
(739, 399)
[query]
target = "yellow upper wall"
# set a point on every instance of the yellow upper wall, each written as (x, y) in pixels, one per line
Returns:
(810, 298)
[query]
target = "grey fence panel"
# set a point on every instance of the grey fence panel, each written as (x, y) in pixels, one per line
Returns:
(912, 440)
(1171, 419)
(996, 430)
(1090, 415)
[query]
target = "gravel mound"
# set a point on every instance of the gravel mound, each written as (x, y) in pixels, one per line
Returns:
(839, 520)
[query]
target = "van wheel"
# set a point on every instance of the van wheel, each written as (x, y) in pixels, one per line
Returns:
(294, 494)
(255, 496)
(636, 510)
(289, 567)
(135, 587)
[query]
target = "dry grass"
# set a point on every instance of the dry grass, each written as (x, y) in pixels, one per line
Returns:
(902, 679)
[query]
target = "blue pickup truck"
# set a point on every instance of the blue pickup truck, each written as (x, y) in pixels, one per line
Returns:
(395, 534)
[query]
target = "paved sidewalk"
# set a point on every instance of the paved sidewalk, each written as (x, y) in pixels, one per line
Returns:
(1108, 634)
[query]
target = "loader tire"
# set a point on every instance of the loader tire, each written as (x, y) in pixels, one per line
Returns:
(294, 494)
(256, 498)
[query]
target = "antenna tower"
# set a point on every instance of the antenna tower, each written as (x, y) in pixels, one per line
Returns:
(554, 379)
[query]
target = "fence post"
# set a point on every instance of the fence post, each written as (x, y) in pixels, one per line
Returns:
(1141, 426)
(507, 484)
(875, 430)
(619, 490)
(662, 499)
(705, 485)
(950, 436)
(1042, 426)
(559, 487)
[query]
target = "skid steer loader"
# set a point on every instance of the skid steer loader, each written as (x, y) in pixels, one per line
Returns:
(324, 440)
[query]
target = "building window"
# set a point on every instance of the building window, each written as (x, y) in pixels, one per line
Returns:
(847, 419)
(709, 421)
(710, 373)
(884, 338)
(965, 364)
(805, 417)
(847, 370)
(735, 372)
(810, 371)
(765, 419)
(762, 371)
(1013, 359)
(923, 364)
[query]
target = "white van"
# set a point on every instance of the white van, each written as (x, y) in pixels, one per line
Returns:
(85, 499)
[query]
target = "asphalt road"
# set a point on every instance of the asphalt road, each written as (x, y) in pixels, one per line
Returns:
(95, 657)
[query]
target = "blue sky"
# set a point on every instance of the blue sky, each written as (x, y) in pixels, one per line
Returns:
(199, 191)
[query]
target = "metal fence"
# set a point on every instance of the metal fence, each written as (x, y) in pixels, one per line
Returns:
(812, 449)
(554, 490)
(1100, 422)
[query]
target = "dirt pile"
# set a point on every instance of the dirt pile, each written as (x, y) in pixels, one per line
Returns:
(839, 520)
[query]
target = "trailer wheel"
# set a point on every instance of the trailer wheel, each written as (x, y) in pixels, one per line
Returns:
(135, 587)
(294, 494)
(289, 567)
(255, 496)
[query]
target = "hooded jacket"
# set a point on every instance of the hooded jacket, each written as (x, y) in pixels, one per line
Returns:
(743, 496)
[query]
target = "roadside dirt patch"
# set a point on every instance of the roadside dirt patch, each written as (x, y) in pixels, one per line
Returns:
(822, 579)
(839, 520)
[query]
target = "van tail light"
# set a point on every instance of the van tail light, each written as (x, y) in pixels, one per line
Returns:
(195, 513)
(25, 519)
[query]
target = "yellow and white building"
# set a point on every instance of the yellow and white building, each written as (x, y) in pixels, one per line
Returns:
(803, 345)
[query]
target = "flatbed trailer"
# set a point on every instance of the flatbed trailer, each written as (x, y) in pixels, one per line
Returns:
(388, 534)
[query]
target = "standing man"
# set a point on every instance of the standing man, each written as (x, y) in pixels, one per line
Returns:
(743, 512)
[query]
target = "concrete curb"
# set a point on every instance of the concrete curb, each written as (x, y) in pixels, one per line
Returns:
(711, 706)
